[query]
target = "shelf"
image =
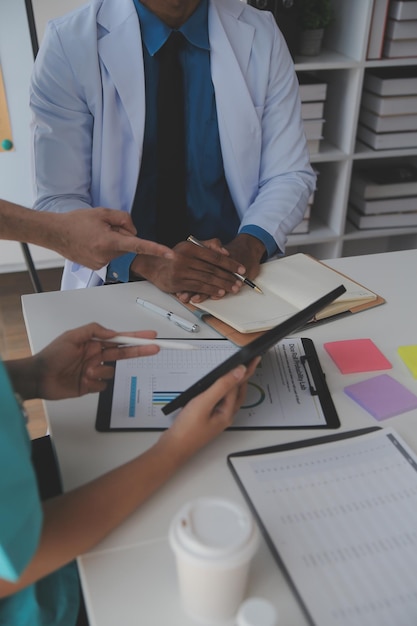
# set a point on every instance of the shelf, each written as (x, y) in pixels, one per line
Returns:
(328, 152)
(354, 233)
(326, 60)
(319, 233)
(391, 62)
(363, 151)
(342, 65)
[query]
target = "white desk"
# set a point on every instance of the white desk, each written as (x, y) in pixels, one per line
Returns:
(129, 578)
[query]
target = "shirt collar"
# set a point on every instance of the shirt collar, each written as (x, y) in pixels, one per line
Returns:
(155, 32)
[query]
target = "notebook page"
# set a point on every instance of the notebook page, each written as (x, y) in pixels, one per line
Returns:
(288, 285)
(301, 280)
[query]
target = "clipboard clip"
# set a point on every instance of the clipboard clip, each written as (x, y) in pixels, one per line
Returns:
(304, 362)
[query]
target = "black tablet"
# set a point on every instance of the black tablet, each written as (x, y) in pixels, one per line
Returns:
(256, 348)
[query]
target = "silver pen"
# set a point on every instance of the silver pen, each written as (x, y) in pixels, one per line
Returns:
(176, 319)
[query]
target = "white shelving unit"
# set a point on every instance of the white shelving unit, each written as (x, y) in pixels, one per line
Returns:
(342, 65)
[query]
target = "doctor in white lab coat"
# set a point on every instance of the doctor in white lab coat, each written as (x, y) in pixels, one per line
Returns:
(89, 116)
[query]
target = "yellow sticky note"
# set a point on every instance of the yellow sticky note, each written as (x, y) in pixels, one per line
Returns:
(409, 356)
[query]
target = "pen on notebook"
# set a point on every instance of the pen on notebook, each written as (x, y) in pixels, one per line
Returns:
(176, 319)
(245, 280)
(141, 341)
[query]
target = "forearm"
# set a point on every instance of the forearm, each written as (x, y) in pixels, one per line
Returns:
(21, 224)
(23, 375)
(75, 522)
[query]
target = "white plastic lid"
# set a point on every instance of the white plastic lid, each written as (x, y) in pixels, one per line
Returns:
(212, 529)
(257, 612)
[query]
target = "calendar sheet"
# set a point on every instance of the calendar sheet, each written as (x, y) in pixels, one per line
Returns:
(341, 520)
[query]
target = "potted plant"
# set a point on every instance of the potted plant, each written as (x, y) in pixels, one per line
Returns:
(316, 15)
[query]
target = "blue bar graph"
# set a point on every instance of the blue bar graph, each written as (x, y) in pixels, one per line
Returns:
(163, 397)
(132, 396)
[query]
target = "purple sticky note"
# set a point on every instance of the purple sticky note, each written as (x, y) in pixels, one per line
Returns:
(382, 396)
(357, 355)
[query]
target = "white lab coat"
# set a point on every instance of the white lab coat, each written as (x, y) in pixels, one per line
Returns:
(87, 98)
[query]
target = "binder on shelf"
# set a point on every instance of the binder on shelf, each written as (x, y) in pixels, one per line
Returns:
(385, 220)
(392, 81)
(311, 88)
(377, 29)
(312, 110)
(387, 123)
(313, 146)
(390, 105)
(302, 228)
(403, 9)
(384, 205)
(387, 141)
(313, 129)
(401, 29)
(400, 48)
(385, 181)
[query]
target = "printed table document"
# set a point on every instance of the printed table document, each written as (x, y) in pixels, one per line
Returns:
(279, 393)
(341, 520)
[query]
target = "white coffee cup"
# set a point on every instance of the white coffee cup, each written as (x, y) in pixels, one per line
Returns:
(214, 541)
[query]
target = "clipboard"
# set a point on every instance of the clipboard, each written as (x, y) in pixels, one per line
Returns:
(288, 391)
(277, 449)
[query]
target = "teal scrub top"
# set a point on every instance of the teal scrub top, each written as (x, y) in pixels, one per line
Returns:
(54, 600)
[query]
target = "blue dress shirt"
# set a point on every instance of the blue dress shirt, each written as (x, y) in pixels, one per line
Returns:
(210, 208)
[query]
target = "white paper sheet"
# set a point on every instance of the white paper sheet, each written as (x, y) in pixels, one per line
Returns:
(278, 393)
(343, 519)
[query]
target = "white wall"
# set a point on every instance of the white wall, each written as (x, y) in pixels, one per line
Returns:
(16, 59)
(44, 10)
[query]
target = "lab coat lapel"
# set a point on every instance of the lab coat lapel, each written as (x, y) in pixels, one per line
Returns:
(239, 126)
(120, 50)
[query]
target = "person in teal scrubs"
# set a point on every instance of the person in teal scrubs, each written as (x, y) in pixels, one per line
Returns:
(40, 540)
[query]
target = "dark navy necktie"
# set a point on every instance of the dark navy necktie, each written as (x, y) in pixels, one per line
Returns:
(171, 206)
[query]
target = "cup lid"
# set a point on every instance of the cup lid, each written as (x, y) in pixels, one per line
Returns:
(212, 528)
(257, 612)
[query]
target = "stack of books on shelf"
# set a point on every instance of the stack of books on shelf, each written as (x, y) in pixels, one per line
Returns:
(401, 30)
(313, 93)
(384, 196)
(304, 226)
(393, 30)
(388, 115)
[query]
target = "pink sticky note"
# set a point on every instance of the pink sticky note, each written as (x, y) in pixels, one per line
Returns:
(357, 355)
(382, 396)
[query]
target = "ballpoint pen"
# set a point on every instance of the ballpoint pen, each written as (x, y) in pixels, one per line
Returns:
(245, 280)
(176, 319)
(142, 341)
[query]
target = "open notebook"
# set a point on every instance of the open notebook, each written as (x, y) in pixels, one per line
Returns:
(289, 285)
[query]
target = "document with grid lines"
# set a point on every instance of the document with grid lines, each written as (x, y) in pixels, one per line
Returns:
(341, 520)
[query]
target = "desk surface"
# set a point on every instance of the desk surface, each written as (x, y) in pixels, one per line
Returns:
(127, 575)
